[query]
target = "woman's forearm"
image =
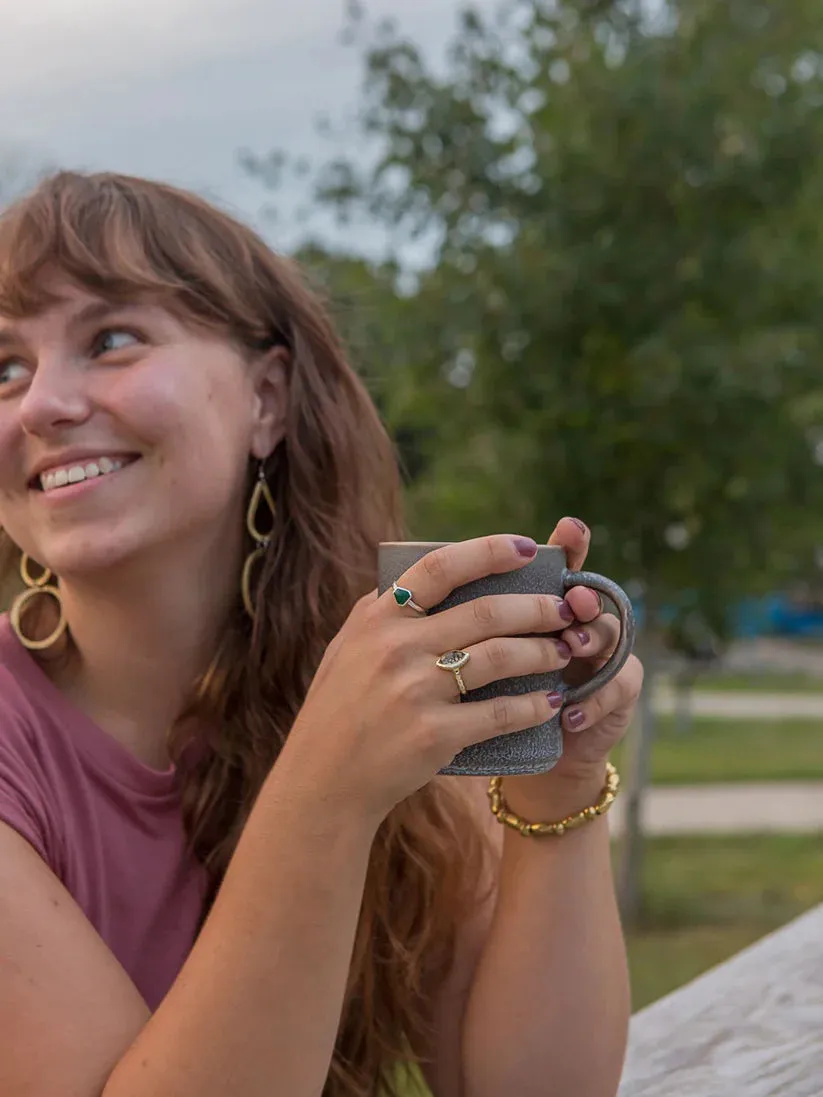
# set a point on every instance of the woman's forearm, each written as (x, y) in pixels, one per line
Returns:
(549, 1007)
(256, 1008)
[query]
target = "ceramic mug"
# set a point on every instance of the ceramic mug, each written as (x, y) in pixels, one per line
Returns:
(536, 749)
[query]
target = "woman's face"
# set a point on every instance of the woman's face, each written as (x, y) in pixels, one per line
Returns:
(124, 431)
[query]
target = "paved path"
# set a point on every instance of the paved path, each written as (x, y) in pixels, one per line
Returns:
(788, 807)
(776, 806)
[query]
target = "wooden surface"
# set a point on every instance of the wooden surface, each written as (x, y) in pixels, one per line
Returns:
(752, 1027)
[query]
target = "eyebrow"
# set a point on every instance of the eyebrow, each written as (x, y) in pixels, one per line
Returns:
(94, 310)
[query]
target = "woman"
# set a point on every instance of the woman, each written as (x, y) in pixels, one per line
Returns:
(227, 864)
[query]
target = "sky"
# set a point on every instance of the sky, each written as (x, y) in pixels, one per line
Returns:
(172, 89)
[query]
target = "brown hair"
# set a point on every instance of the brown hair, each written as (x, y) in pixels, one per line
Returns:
(335, 482)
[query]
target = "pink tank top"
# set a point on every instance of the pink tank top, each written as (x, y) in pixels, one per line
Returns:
(107, 825)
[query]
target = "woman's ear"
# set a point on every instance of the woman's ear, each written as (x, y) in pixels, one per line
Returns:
(271, 392)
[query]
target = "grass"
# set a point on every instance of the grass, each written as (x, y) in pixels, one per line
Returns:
(760, 682)
(708, 897)
(717, 749)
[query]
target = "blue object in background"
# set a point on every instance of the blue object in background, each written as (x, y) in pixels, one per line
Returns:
(772, 615)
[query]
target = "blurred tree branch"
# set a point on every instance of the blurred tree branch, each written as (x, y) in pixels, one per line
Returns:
(622, 315)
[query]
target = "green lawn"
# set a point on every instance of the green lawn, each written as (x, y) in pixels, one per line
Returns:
(706, 898)
(764, 682)
(735, 750)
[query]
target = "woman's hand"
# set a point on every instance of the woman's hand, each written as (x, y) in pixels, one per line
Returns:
(380, 718)
(591, 728)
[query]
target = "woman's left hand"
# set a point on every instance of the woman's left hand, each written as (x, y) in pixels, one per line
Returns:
(591, 728)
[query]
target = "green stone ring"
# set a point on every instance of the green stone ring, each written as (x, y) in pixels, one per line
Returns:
(403, 597)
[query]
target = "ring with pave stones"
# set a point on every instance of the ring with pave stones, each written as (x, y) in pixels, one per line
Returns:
(403, 597)
(453, 661)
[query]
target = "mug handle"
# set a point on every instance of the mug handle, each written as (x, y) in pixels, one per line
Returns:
(625, 644)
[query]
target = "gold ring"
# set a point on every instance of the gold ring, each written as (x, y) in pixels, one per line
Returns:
(453, 661)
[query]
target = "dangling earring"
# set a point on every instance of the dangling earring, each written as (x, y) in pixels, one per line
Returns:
(261, 494)
(34, 588)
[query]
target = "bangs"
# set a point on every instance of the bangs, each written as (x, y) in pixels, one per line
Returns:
(125, 239)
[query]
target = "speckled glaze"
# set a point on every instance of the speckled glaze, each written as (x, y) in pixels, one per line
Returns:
(536, 749)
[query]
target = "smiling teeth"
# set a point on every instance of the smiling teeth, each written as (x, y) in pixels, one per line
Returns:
(75, 474)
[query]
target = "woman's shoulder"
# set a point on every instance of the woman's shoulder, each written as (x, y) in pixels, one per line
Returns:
(35, 732)
(20, 689)
(25, 797)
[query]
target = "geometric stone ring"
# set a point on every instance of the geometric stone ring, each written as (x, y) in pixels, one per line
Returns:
(453, 661)
(403, 597)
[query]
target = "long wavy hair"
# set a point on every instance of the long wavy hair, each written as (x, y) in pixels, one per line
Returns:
(335, 481)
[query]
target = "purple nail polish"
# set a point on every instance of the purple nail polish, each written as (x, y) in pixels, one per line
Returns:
(525, 546)
(563, 649)
(583, 636)
(575, 718)
(565, 611)
(555, 698)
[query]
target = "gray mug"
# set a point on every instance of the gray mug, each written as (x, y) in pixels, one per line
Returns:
(539, 748)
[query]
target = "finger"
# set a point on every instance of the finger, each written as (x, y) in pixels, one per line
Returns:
(596, 640)
(495, 615)
(481, 720)
(439, 572)
(585, 602)
(574, 536)
(615, 698)
(505, 657)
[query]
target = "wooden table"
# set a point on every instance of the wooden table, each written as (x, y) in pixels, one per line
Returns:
(752, 1027)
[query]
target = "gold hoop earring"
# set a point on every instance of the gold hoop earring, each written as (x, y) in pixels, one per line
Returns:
(34, 588)
(261, 494)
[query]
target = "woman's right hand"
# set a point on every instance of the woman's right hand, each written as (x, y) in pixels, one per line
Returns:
(381, 719)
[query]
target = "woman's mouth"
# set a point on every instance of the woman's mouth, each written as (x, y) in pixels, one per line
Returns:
(58, 479)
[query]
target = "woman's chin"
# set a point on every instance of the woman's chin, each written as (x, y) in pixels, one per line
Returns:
(81, 564)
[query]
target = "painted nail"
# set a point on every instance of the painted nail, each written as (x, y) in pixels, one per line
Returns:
(555, 698)
(580, 525)
(563, 649)
(564, 610)
(583, 636)
(575, 718)
(525, 546)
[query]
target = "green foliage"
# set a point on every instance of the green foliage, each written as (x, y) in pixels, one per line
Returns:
(622, 317)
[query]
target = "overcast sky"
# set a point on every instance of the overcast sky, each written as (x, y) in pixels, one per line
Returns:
(173, 88)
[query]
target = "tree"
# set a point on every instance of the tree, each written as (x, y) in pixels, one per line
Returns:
(622, 316)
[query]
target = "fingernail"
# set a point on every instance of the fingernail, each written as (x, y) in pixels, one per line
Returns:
(580, 525)
(563, 649)
(575, 718)
(555, 698)
(582, 635)
(525, 546)
(565, 610)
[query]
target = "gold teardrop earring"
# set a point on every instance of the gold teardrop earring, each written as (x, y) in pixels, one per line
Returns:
(261, 494)
(34, 588)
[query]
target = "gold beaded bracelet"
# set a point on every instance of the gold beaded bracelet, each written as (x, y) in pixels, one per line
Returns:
(500, 809)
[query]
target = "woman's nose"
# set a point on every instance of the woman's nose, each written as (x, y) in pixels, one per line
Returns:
(56, 397)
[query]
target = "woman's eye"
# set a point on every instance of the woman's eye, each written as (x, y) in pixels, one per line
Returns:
(12, 370)
(114, 339)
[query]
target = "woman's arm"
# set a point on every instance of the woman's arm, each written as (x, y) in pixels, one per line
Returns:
(548, 1010)
(257, 1005)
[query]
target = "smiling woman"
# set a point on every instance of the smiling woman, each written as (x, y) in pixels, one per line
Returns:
(145, 343)
(137, 376)
(228, 862)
